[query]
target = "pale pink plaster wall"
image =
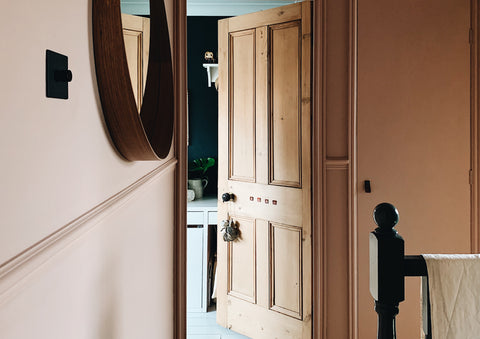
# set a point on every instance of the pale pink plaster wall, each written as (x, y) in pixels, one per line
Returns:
(113, 282)
(57, 163)
(57, 160)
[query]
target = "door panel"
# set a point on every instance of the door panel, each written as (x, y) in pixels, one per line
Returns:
(286, 269)
(241, 259)
(413, 134)
(264, 277)
(242, 109)
(285, 116)
(133, 47)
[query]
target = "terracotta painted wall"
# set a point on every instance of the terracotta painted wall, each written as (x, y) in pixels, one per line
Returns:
(344, 256)
(110, 277)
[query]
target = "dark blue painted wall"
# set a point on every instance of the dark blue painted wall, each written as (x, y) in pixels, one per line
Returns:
(203, 100)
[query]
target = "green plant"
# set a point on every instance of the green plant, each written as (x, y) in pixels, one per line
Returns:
(197, 169)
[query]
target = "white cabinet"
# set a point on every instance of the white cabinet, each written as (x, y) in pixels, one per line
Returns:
(195, 270)
(201, 215)
(195, 218)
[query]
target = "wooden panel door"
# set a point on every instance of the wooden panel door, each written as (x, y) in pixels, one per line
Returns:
(136, 37)
(413, 135)
(264, 277)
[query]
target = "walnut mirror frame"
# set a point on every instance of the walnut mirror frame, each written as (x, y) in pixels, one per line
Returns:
(148, 135)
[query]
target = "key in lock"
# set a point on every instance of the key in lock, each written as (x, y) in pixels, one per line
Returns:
(230, 230)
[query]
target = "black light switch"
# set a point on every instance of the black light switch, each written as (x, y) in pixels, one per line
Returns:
(57, 75)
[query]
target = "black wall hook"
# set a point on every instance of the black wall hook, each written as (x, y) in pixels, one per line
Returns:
(368, 186)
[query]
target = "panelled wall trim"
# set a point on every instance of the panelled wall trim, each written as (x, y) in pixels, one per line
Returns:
(14, 272)
(474, 128)
(335, 152)
(340, 163)
(352, 156)
(180, 232)
(319, 234)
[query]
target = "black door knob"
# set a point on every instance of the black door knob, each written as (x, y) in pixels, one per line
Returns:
(227, 197)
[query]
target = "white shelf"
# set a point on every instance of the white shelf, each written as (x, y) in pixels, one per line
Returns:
(207, 202)
(212, 73)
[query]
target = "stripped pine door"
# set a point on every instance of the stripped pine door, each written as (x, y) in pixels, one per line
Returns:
(136, 37)
(264, 277)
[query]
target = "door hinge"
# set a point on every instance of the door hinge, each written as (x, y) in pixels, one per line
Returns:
(470, 36)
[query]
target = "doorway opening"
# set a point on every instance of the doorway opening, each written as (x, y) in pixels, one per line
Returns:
(202, 140)
(265, 283)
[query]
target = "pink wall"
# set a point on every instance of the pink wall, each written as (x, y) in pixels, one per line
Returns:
(109, 276)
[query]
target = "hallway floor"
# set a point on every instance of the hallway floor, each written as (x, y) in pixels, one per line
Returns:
(204, 326)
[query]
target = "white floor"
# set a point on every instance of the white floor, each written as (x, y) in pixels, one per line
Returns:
(204, 326)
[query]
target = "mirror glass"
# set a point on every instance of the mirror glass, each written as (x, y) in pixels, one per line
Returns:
(136, 36)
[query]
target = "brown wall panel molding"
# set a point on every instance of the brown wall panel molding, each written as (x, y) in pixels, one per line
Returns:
(335, 151)
(319, 262)
(340, 164)
(352, 156)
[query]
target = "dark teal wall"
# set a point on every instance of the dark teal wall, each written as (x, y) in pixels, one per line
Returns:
(203, 100)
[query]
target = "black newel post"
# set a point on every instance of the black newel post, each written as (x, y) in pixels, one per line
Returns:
(387, 269)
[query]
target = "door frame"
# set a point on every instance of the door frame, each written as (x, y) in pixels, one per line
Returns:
(475, 127)
(318, 161)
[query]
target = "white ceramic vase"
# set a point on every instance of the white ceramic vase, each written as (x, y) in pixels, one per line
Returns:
(197, 185)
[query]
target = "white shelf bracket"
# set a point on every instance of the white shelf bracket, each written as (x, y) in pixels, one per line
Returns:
(212, 73)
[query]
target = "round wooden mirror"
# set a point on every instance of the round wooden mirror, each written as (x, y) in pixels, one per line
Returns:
(144, 135)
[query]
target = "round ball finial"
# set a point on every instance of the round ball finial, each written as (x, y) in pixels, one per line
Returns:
(385, 215)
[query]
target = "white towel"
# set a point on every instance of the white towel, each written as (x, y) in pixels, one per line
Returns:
(454, 282)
